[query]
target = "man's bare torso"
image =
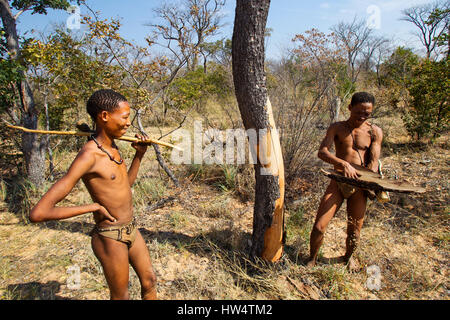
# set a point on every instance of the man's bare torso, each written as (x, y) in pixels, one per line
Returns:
(345, 144)
(108, 184)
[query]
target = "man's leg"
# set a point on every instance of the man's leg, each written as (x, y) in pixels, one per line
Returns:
(329, 205)
(141, 263)
(113, 255)
(356, 208)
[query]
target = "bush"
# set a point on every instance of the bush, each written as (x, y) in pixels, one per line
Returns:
(428, 115)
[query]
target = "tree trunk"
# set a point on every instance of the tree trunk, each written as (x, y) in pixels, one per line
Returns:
(47, 138)
(256, 112)
(33, 147)
(336, 108)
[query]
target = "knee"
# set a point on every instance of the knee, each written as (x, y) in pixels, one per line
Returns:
(319, 229)
(148, 281)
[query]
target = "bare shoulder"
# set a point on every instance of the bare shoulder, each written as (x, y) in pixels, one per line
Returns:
(331, 135)
(87, 151)
(85, 157)
(335, 126)
(378, 133)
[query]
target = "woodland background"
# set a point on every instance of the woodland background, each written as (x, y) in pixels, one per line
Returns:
(197, 219)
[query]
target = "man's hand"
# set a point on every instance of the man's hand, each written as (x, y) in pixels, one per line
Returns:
(140, 147)
(104, 214)
(349, 171)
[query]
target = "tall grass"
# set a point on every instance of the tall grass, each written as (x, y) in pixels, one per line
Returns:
(228, 182)
(148, 190)
(22, 195)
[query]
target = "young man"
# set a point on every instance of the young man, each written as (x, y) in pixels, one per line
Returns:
(116, 241)
(359, 142)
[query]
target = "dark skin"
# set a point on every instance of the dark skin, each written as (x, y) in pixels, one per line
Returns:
(340, 134)
(109, 185)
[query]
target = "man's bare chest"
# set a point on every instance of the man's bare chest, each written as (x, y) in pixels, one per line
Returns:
(111, 172)
(357, 139)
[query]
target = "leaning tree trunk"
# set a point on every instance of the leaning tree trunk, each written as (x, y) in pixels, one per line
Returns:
(256, 112)
(336, 105)
(33, 147)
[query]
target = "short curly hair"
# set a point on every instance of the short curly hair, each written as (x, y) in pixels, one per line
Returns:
(103, 100)
(362, 97)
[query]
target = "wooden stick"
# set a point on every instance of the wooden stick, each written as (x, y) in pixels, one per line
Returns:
(86, 134)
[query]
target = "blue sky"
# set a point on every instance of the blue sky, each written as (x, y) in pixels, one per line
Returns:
(286, 18)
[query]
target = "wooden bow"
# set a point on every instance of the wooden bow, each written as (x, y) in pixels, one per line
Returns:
(86, 134)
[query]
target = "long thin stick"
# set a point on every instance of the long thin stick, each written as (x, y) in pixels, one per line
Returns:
(86, 134)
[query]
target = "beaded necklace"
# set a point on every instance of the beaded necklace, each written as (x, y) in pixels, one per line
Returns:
(354, 147)
(109, 155)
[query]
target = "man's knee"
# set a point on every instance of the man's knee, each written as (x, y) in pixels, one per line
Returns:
(148, 281)
(319, 229)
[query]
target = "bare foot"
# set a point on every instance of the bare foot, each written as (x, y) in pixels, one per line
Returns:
(353, 265)
(311, 263)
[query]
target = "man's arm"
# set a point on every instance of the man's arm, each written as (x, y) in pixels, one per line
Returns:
(325, 154)
(136, 163)
(134, 167)
(46, 208)
(375, 149)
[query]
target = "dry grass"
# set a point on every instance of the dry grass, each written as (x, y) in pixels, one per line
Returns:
(199, 242)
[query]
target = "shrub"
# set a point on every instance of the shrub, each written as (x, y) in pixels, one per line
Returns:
(429, 88)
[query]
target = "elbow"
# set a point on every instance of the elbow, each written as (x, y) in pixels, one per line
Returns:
(321, 154)
(36, 216)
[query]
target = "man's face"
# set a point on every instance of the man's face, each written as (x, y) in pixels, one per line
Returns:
(118, 121)
(361, 112)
